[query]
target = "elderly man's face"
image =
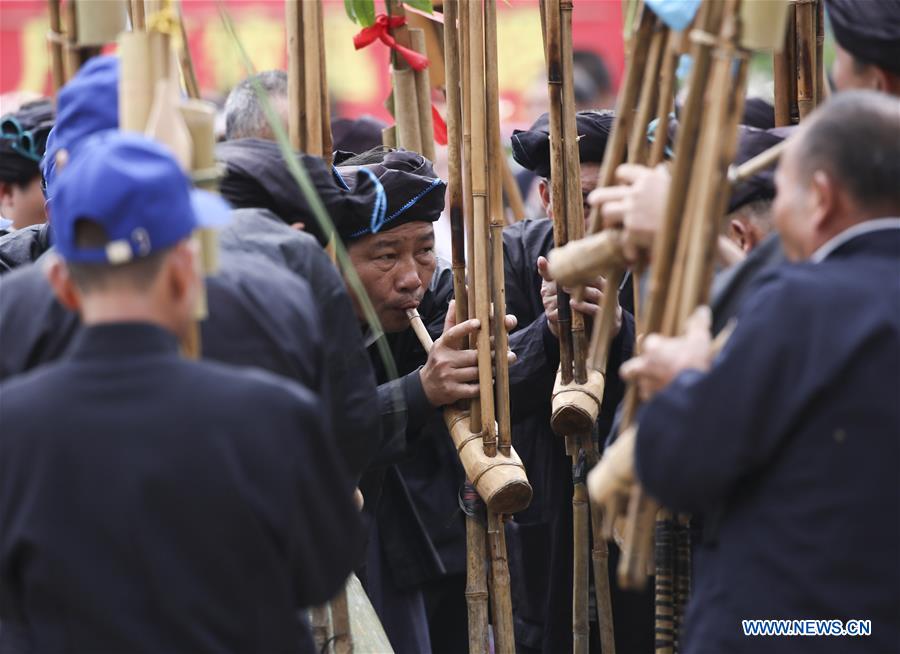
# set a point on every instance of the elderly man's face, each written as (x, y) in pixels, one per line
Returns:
(590, 171)
(395, 267)
(793, 208)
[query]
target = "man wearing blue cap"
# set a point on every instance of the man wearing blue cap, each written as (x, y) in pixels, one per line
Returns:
(159, 505)
(282, 338)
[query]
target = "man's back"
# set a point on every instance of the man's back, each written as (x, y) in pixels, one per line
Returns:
(148, 503)
(798, 425)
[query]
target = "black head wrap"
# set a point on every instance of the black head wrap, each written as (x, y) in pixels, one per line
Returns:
(761, 186)
(531, 147)
(358, 135)
(758, 113)
(408, 190)
(256, 176)
(868, 29)
(23, 141)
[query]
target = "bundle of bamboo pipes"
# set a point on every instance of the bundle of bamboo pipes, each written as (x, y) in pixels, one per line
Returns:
(88, 27)
(309, 120)
(799, 69)
(482, 430)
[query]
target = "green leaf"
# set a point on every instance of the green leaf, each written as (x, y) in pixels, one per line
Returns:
(365, 11)
(421, 5)
(351, 12)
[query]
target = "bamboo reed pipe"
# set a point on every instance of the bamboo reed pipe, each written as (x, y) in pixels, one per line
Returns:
(806, 57)
(553, 37)
(293, 16)
(671, 55)
(312, 82)
(600, 565)
(580, 560)
(138, 21)
(822, 90)
(637, 142)
(476, 586)
(614, 153)
(325, 109)
(765, 159)
(406, 110)
(513, 195)
(185, 61)
(501, 599)
(480, 235)
(454, 159)
(468, 197)
(423, 97)
(572, 162)
(641, 510)
(389, 137)
(476, 549)
(55, 38)
(497, 223)
(400, 34)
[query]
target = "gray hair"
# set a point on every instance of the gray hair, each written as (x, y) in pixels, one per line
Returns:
(244, 115)
(855, 138)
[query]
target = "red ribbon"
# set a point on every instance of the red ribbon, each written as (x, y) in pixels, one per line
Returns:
(440, 127)
(381, 31)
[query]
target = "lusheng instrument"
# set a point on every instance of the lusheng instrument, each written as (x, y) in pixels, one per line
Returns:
(798, 69)
(309, 119)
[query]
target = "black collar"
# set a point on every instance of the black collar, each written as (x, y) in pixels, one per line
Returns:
(123, 339)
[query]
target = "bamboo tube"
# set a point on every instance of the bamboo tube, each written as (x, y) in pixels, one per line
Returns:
(822, 90)
(806, 57)
(138, 22)
(327, 145)
(389, 137)
(495, 165)
(574, 202)
(637, 142)
(423, 97)
(476, 582)
(406, 110)
(765, 159)
(783, 74)
(296, 75)
(600, 564)
(578, 262)
(671, 55)
(454, 160)
(480, 236)
(185, 60)
(642, 510)
(512, 194)
(476, 549)
(559, 205)
(468, 196)
(72, 60)
(166, 123)
(340, 621)
(98, 24)
(400, 34)
(137, 81)
(580, 571)
(615, 144)
(55, 38)
(501, 599)
(312, 71)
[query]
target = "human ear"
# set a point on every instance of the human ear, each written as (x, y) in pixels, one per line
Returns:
(544, 191)
(740, 232)
(823, 198)
(64, 288)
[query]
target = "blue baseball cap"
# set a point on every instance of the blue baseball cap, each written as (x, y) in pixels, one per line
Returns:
(88, 104)
(133, 188)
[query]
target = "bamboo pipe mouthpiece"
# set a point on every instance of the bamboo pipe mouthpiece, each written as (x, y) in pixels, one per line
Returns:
(763, 160)
(576, 406)
(579, 262)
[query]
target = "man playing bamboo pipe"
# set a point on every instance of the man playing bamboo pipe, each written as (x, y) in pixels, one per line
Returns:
(789, 436)
(416, 559)
(540, 538)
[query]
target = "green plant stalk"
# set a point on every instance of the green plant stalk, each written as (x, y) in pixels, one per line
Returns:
(315, 202)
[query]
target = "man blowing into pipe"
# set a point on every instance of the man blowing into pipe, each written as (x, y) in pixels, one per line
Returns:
(416, 557)
(160, 504)
(787, 440)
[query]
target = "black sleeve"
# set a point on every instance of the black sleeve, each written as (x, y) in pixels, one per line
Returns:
(327, 538)
(355, 407)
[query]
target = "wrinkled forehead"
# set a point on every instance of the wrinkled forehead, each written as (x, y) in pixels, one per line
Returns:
(409, 234)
